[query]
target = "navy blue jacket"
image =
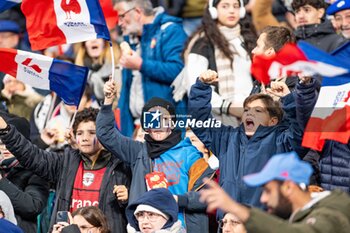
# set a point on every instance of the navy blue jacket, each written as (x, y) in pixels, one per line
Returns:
(240, 155)
(335, 166)
(161, 199)
(162, 43)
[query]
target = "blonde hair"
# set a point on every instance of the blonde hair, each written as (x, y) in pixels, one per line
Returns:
(105, 56)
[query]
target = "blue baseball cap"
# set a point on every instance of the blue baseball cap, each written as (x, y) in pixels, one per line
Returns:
(9, 26)
(338, 6)
(287, 166)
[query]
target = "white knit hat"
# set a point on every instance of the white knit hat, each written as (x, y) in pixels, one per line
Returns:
(151, 209)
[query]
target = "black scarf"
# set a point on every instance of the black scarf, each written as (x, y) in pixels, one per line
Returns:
(156, 148)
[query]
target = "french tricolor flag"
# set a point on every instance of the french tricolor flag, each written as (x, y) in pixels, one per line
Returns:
(330, 118)
(7, 4)
(55, 22)
(296, 59)
(66, 79)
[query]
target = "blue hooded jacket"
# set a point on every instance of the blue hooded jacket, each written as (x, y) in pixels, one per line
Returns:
(160, 199)
(240, 155)
(161, 43)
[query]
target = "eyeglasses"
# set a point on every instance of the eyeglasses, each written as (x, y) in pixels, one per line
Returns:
(233, 223)
(141, 216)
(122, 16)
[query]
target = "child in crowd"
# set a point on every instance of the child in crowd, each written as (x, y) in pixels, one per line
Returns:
(84, 176)
(163, 159)
(155, 211)
(245, 149)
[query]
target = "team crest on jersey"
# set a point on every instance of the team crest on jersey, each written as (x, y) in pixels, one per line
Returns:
(88, 179)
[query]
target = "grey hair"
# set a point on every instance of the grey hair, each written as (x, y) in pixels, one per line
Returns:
(145, 5)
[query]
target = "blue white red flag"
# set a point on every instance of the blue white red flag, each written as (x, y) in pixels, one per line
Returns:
(66, 79)
(330, 118)
(7, 4)
(55, 22)
(292, 59)
(111, 15)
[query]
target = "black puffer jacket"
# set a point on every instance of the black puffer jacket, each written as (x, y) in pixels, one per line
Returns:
(28, 194)
(320, 35)
(61, 169)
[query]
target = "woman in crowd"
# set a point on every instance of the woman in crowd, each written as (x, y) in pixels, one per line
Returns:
(96, 55)
(223, 43)
(86, 219)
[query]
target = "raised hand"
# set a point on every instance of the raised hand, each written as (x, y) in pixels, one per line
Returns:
(209, 77)
(109, 91)
(125, 47)
(121, 192)
(50, 136)
(130, 60)
(69, 137)
(215, 197)
(57, 228)
(278, 89)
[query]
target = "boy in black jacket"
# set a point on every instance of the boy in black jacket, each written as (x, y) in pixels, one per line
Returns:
(83, 176)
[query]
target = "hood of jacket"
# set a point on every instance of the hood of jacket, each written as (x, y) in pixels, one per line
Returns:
(162, 17)
(160, 199)
(161, 20)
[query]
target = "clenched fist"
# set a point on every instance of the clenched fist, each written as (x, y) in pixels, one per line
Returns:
(209, 77)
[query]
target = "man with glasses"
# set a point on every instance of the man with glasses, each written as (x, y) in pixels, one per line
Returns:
(157, 41)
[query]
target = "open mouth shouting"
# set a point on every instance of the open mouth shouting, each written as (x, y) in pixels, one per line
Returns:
(249, 125)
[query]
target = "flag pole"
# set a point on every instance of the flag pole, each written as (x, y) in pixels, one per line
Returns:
(73, 119)
(112, 55)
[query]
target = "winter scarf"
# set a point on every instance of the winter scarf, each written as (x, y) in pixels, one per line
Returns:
(224, 66)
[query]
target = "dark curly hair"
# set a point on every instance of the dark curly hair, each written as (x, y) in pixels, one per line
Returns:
(88, 114)
(318, 4)
(213, 35)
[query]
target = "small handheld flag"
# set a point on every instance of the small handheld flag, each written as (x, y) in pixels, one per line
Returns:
(66, 79)
(55, 22)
